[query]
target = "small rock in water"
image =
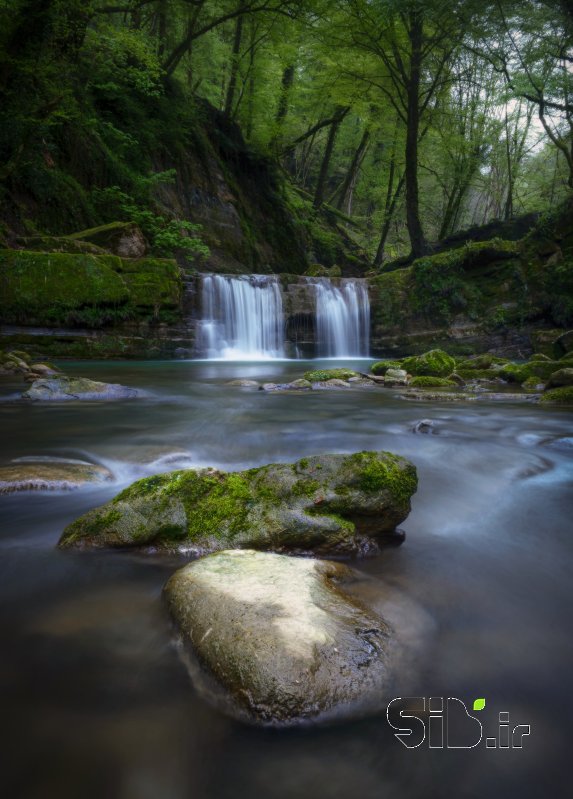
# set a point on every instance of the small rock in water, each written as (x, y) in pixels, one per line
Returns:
(47, 474)
(361, 381)
(43, 370)
(76, 388)
(276, 640)
(395, 377)
(423, 426)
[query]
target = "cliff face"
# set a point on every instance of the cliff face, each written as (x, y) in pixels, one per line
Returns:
(83, 295)
(251, 216)
(239, 199)
(497, 295)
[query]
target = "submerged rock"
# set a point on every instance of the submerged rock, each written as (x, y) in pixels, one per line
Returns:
(243, 383)
(77, 388)
(438, 396)
(423, 426)
(325, 504)
(333, 382)
(275, 640)
(50, 475)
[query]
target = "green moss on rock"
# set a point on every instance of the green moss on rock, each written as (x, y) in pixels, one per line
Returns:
(327, 503)
(484, 361)
(381, 367)
(518, 373)
(425, 381)
(319, 375)
(435, 363)
(60, 244)
(558, 396)
(92, 290)
(476, 374)
(532, 383)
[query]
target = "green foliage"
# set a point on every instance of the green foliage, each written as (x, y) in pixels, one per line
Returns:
(167, 237)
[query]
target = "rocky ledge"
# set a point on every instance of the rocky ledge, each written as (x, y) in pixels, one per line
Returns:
(50, 474)
(276, 640)
(342, 504)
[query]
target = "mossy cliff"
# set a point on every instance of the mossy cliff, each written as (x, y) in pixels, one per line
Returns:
(81, 305)
(327, 503)
(507, 296)
(67, 290)
(251, 217)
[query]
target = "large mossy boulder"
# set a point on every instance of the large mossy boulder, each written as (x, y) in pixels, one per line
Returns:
(435, 363)
(50, 389)
(323, 504)
(276, 640)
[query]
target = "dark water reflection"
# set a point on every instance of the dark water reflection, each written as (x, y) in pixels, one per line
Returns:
(96, 702)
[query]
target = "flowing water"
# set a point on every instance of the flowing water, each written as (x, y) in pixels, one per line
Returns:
(342, 318)
(96, 702)
(242, 317)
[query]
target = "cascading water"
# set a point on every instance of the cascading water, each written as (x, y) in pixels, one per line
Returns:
(242, 317)
(342, 318)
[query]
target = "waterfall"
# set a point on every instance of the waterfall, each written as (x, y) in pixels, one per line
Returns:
(242, 317)
(342, 318)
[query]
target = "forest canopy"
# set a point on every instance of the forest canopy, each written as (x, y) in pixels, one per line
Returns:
(410, 119)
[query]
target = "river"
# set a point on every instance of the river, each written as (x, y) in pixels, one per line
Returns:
(96, 702)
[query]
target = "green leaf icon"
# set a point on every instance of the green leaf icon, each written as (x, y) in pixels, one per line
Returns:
(479, 704)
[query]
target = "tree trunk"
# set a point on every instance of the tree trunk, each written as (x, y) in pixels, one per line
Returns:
(391, 202)
(328, 150)
(415, 231)
(508, 208)
(345, 197)
(234, 67)
(251, 83)
(286, 85)
(162, 28)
